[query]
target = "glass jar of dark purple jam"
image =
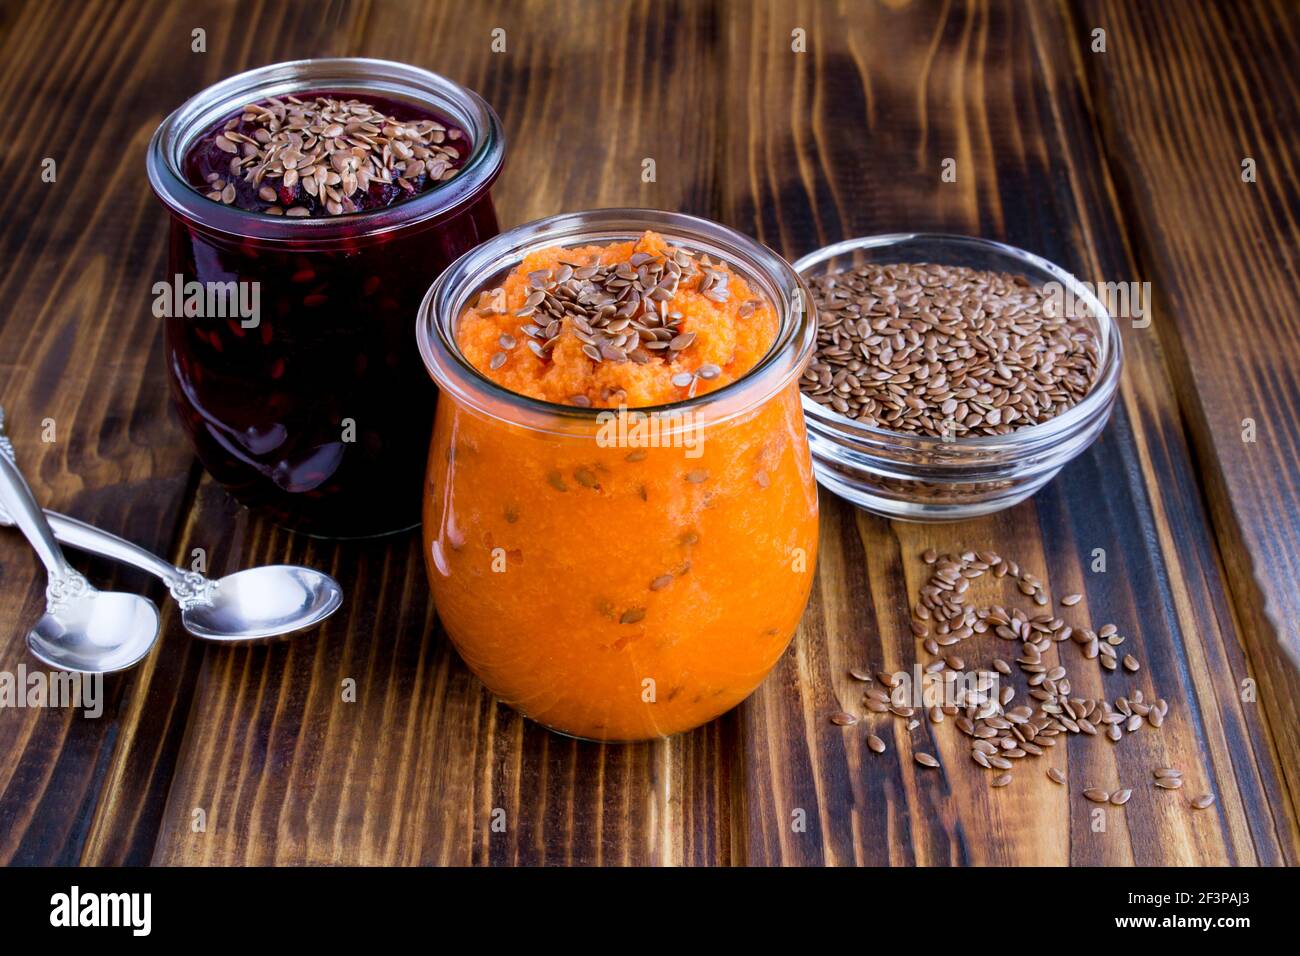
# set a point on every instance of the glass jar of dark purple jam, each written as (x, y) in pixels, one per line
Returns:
(288, 338)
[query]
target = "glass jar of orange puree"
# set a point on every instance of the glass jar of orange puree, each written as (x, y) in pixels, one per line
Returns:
(620, 512)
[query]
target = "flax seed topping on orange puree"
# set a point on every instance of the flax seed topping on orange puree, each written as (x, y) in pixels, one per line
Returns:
(633, 323)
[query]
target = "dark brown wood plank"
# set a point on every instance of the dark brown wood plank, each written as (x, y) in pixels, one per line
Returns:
(848, 139)
(79, 344)
(1185, 96)
(412, 772)
(799, 149)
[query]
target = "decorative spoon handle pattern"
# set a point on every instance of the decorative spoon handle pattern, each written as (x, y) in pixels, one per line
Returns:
(188, 588)
(64, 583)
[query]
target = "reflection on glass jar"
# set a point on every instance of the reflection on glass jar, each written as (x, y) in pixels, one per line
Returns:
(314, 408)
(612, 579)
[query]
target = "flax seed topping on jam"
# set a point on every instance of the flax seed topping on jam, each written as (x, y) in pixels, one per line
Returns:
(634, 323)
(324, 155)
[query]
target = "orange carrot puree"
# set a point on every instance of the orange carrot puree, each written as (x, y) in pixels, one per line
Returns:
(617, 592)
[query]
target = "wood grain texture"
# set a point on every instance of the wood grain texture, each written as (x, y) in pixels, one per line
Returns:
(848, 139)
(80, 345)
(415, 769)
(79, 352)
(798, 149)
(1222, 255)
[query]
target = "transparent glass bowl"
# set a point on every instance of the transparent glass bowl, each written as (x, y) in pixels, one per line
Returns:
(919, 478)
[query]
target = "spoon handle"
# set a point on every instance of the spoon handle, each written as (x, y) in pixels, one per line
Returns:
(189, 588)
(88, 538)
(16, 498)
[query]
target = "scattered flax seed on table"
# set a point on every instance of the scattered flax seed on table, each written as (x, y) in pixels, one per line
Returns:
(1003, 732)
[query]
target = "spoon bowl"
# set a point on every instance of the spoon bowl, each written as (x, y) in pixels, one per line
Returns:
(263, 602)
(96, 632)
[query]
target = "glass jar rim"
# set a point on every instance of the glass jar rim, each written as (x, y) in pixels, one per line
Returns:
(1044, 434)
(178, 131)
(771, 275)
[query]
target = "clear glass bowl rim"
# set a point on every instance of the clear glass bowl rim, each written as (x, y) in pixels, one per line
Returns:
(451, 292)
(1044, 434)
(178, 130)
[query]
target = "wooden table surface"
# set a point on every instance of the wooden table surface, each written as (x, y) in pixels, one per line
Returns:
(1122, 165)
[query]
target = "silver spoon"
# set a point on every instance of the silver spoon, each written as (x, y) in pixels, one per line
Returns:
(248, 605)
(82, 629)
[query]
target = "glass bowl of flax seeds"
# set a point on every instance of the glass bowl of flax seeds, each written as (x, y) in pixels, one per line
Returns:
(953, 376)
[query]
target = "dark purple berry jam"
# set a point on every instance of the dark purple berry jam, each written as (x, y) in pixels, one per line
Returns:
(320, 410)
